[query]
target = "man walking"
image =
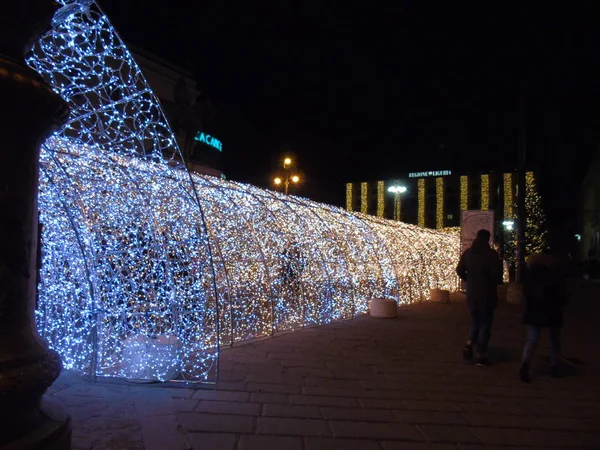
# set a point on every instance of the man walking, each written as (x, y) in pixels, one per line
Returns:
(480, 267)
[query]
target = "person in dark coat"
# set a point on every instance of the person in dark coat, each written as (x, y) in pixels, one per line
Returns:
(481, 268)
(545, 294)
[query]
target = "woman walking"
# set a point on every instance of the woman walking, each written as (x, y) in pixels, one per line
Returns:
(545, 296)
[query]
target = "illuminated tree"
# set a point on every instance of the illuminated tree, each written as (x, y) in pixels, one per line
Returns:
(535, 223)
(536, 235)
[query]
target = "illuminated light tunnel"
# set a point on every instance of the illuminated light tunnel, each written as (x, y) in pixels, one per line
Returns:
(148, 269)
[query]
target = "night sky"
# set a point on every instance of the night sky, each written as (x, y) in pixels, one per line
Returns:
(359, 91)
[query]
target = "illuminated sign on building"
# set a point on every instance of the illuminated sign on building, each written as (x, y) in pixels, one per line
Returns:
(209, 140)
(431, 173)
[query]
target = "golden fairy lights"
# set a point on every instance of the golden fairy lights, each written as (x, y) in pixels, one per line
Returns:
(536, 234)
(485, 192)
(439, 196)
(508, 196)
(380, 199)
(397, 207)
(349, 197)
(421, 201)
(364, 197)
(464, 193)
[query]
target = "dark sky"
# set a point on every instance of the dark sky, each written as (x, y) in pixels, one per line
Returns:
(360, 91)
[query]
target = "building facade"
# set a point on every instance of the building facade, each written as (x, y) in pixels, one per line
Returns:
(190, 112)
(435, 199)
(590, 212)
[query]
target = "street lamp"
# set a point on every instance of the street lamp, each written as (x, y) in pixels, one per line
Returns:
(288, 178)
(508, 224)
(397, 190)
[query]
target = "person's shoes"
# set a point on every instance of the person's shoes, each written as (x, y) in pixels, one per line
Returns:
(483, 361)
(555, 372)
(524, 373)
(468, 352)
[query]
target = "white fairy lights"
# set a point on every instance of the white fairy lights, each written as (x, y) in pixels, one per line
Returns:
(147, 269)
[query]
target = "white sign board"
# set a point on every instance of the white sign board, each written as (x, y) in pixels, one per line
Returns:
(470, 223)
(473, 221)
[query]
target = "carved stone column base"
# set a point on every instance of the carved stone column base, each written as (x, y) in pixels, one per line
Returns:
(49, 428)
(29, 111)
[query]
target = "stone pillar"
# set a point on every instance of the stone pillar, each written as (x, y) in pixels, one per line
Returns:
(29, 112)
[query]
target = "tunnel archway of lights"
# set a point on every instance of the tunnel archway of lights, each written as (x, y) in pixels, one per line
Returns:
(148, 269)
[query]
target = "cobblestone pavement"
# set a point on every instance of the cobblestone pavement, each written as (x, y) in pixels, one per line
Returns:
(364, 384)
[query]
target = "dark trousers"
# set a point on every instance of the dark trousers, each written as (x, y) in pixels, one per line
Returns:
(481, 328)
(533, 337)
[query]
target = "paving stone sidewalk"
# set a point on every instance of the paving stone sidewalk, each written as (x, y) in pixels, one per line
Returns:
(368, 384)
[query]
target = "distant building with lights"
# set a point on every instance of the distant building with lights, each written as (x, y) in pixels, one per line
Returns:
(435, 199)
(190, 113)
(590, 212)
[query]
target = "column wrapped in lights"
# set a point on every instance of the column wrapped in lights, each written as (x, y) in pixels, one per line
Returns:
(508, 196)
(148, 269)
(439, 198)
(380, 199)
(536, 233)
(464, 193)
(421, 201)
(29, 112)
(349, 197)
(485, 192)
(364, 197)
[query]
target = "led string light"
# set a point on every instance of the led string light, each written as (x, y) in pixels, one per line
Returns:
(439, 197)
(380, 199)
(464, 192)
(128, 214)
(485, 192)
(149, 282)
(508, 196)
(421, 200)
(364, 197)
(423, 259)
(345, 259)
(126, 286)
(349, 197)
(535, 227)
(397, 207)
(112, 105)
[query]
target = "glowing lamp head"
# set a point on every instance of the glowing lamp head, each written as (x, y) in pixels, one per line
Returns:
(508, 224)
(295, 178)
(277, 181)
(287, 162)
(397, 189)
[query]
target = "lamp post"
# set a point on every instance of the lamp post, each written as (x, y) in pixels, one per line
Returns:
(521, 211)
(288, 177)
(397, 190)
(29, 112)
